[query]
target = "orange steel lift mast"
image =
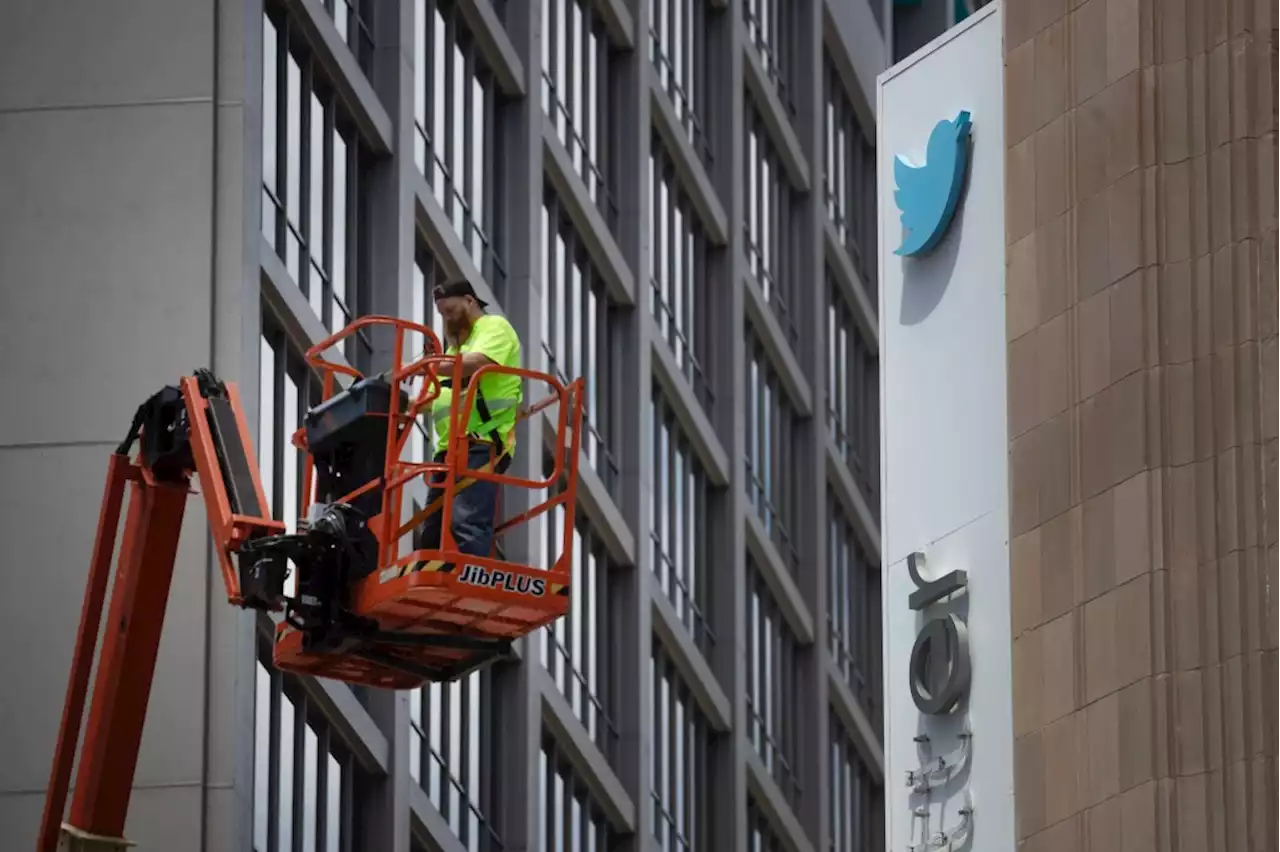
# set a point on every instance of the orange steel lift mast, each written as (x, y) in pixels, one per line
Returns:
(362, 613)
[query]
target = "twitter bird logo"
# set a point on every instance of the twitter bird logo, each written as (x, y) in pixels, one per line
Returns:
(927, 195)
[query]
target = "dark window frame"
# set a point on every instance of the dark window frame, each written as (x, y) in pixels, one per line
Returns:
(675, 56)
(591, 831)
(681, 808)
(855, 798)
(849, 179)
(589, 139)
(673, 459)
(853, 395)
(771, 223)
(481, 233)
(773, 428)
(853, 611)
(773, 681)
(680, 299)
(597, 364)
(771, 30)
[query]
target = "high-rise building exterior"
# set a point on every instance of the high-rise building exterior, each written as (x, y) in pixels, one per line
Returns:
(675, 200)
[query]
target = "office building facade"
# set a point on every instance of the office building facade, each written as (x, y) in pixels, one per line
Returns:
(674, 200)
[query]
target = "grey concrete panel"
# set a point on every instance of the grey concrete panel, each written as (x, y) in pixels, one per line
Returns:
(692, 175)
(117, 230)
(91, 53)
(855, 505)
(781, 133)
(693, 420)
(764, 790)
(342, 68)
(783, 358)
(590, 225)
(51, 529)
(858, 45)
(590, 765)
(228, 823)
(781, 584)
(694, 670)
(850, 283)
(855, 720)
(499, 52)
(20, 819)
(166, 818)
(618, 20)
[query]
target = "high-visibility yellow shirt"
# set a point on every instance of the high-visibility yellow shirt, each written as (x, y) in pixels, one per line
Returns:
(494, 337)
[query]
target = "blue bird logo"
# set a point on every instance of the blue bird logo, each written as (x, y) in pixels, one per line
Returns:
(927, 195)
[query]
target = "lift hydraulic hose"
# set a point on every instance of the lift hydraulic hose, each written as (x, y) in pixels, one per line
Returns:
(195, 428)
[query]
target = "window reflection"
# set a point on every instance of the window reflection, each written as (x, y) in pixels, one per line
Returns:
(678, 770)
(853, 395)
(679, 288)
(575, 93)
(570, 820)
(679, 502)
(681, 57)
(855, 799)
(456, 122)
(772, 685)
(310, 211)
(853, 616)
(574, 648)
(449, 731)
(772, 432)
(305, 803)
(850, 178)
(771, 224)
(576, 321)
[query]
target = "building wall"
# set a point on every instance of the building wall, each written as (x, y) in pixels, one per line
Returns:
(121, 271)
(352, 140)
(1142, 342)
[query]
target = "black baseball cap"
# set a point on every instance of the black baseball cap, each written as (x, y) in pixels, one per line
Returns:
(458, 288)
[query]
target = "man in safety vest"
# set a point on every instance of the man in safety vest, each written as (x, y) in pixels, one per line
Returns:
(482, 339)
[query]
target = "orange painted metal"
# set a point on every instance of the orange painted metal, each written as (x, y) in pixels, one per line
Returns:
(139, 597)
(422, 592)
(230, 531)
(122, 688)
(118, 470)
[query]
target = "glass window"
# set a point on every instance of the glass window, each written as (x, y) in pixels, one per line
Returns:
(772, 685)
(456, 123)
(849, 174)
(570, 819)
(679, 766)
(575, 93)
(679, 294)
(772, 455)
(760, 833)
(771, 27)
(575, 648)
(287, 389)
(451, 735)
(853, 609)
(682, 59)
(303, 771)
(577, 316)
(312, 174)
(773, 226)
(853, 395)
(354, 21)
(679, 513)
(856, 800)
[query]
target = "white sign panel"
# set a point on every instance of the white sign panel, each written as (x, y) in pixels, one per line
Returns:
(948, 652)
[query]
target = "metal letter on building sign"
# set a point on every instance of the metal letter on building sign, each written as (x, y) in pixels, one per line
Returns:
(939, 677)
(939, 669)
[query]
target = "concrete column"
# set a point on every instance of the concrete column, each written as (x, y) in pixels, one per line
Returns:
(632, 700)
(515, 695)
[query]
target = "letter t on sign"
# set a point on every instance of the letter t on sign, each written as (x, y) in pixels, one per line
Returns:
(931, 591)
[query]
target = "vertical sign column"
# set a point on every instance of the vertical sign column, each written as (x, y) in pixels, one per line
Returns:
(948, 649)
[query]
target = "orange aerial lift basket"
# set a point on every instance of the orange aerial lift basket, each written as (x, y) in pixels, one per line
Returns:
(370, 609)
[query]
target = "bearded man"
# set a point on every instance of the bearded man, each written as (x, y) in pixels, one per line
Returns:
(480, 338)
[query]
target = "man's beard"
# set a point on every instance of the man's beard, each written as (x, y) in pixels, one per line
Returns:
(456, 331)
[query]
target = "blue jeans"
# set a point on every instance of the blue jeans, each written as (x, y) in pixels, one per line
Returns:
(473, 507)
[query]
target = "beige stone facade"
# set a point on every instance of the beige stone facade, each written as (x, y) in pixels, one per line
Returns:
(1142, 313)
